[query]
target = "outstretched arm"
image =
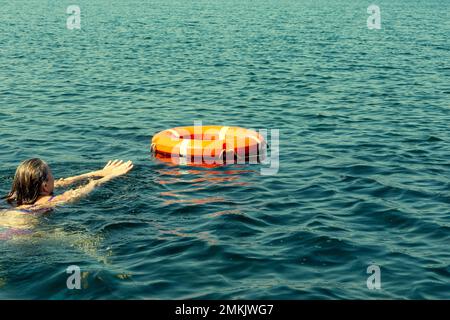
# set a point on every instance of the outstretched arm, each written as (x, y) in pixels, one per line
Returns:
(112, 170)
(64, 182)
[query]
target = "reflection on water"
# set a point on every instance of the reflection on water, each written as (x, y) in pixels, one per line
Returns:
(225, 212)
(198, 181)
(195, 201)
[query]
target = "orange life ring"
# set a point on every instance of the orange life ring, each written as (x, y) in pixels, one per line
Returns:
(210, 144)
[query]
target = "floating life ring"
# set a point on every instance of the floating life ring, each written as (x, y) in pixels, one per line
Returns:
(209, 144)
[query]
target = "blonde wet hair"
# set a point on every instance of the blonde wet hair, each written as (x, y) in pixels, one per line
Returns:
(26, 186)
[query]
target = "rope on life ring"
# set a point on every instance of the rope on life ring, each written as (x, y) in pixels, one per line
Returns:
(153, 148)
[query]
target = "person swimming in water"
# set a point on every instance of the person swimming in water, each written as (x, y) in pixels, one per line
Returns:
(32, 190)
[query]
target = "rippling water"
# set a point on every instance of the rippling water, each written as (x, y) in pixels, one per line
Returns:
(364, 148)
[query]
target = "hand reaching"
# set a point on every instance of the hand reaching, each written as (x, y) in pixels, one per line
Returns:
(116, 168)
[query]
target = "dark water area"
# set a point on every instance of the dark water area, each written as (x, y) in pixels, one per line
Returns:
(364, 166)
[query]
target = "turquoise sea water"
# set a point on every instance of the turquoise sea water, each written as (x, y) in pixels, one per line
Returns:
(364, 148)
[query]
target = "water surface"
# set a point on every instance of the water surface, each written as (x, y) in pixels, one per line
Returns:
(364, 148)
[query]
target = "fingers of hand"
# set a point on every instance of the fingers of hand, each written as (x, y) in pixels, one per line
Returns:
(119, 167)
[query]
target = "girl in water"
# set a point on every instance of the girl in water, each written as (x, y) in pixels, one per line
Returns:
(32, 192)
